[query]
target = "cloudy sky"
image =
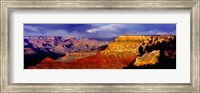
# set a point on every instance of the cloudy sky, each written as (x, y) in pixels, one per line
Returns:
(97, 30)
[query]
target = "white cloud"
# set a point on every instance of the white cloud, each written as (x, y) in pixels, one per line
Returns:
(110, 27)
(56, 33)
(64, 33)
(91, 30)
(32, 28)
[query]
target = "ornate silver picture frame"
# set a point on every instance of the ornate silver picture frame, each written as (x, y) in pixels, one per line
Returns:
(6, 6)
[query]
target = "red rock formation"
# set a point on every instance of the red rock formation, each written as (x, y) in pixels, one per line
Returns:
(47, 60)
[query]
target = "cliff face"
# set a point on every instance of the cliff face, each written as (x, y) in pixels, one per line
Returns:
(158, 52)
(119, 53)
(130, 38)
(126, 51)
(125, 44)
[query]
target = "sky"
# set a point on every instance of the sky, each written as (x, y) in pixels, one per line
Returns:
(97, 30)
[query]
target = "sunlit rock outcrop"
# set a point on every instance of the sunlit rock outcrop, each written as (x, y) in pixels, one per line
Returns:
(148, 58)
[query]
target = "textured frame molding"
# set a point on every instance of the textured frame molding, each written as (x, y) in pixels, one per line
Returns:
(7, 5)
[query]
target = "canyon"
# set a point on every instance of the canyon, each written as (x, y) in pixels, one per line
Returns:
(36, 48)
(125, 51)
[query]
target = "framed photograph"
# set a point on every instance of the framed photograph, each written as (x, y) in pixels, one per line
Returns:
(99, 46)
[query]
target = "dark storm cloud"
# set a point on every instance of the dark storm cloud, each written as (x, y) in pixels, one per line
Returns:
(97, 30)
(67, 27)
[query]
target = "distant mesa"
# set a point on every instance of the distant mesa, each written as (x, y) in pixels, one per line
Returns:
(61, 45)
(71, 37)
